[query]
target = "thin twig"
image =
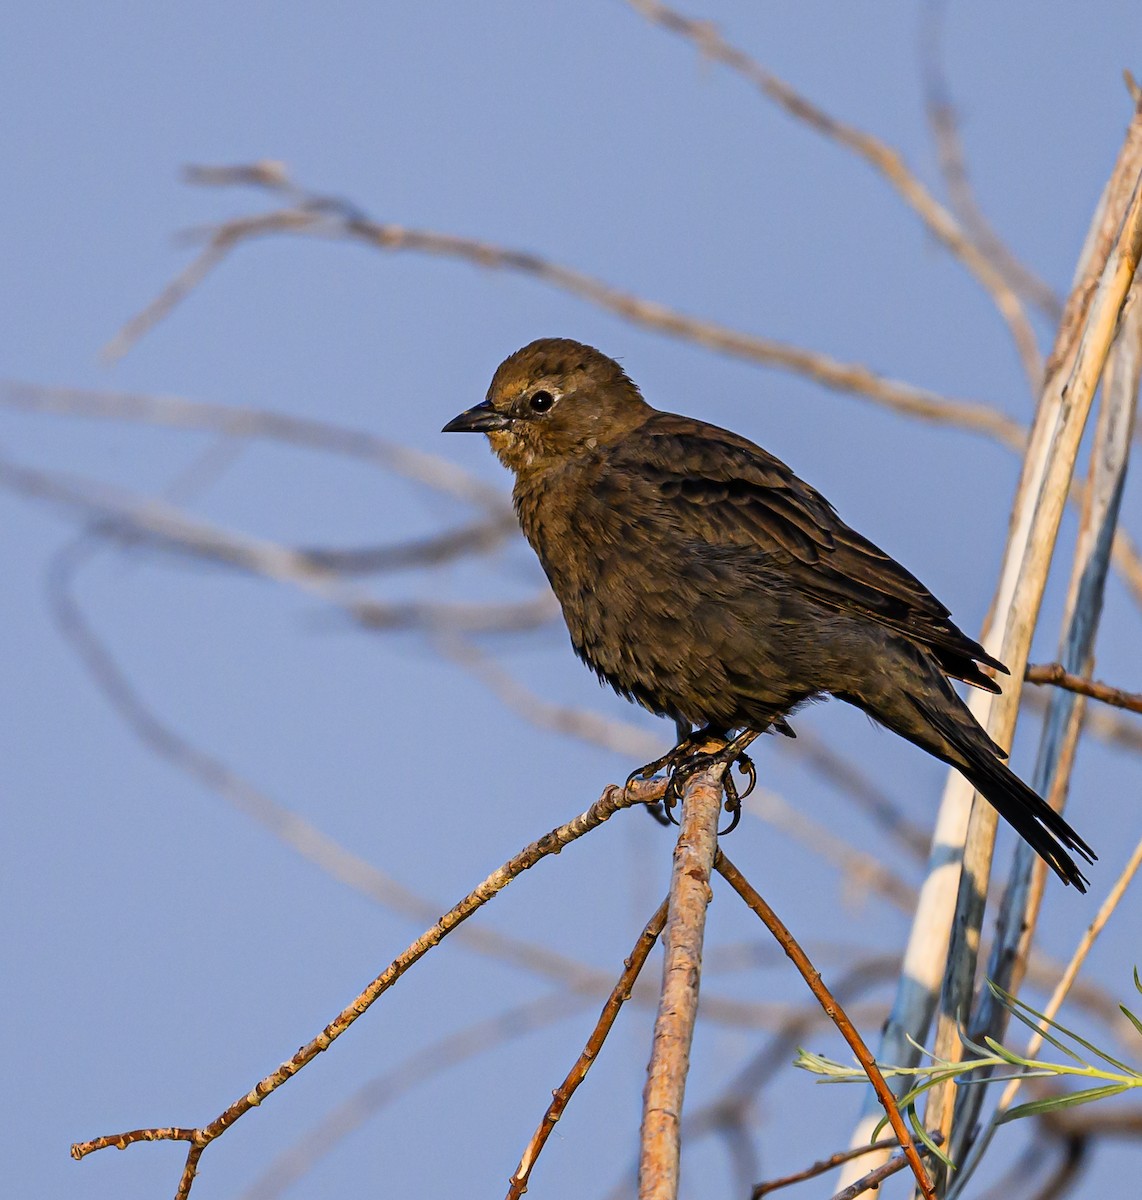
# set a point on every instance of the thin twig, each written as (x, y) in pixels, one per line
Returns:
(820, 1167)
(563, 1093)
(660, 1142)
(875, 1177)
(1057, 674)
(828, 1002)
(611, 801)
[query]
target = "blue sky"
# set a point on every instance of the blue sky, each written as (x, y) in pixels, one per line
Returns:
(163, 951)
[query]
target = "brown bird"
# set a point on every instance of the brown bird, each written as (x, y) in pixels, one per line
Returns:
(700, 577)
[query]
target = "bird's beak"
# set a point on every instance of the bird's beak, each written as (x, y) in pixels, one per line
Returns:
(481, 419)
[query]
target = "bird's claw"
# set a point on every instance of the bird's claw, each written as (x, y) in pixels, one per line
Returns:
(682, 762)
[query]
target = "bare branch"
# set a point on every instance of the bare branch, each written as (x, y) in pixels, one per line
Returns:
(1056, 674)
(943, 120)
(333, 219)
(820, 1167)
(872, 1181)
(694, 853)
(430, 470)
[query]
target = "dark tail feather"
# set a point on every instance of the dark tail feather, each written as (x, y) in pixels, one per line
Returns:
(1032, 818)
(1023, 809)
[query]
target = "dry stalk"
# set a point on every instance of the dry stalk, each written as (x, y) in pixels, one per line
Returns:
(1019, 910)
(1062, 989)
(1067, 398)
(1076, 365)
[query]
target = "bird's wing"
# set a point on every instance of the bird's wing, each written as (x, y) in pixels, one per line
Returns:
(748, 498)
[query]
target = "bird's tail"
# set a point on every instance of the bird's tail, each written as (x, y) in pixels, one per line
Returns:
(962, 743)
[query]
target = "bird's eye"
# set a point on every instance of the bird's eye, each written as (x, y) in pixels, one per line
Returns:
(541, 402)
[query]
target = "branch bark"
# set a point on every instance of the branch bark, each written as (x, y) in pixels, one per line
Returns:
(660, 1152)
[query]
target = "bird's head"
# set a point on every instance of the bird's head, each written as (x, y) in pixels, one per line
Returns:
(553, 400)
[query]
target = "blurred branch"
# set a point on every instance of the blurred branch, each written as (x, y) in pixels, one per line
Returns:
(331, 218)
(311, 843)
(430, 470)
(885, 160)
(611, 801)
(858, 870)
(943, 120)
(131, 519)
(859, 788)
(563, 1093)
(1056, 673)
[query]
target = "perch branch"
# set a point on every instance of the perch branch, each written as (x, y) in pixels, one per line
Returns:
(660, 1143)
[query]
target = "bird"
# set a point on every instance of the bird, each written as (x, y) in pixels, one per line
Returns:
(701, 578)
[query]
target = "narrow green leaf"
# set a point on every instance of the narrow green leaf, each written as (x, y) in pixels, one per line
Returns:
(1054, 1103)
(924, 1136)
(1134, 1020)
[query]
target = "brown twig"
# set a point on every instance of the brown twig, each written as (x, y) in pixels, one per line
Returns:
(660, 1143)
(875, 1177)
(1057, 674)
(611, 801)
(848, 1031)
(563, 1093)
(820, 1167)
(879, 155)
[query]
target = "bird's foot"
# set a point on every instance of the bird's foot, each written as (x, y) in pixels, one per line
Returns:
(684, 760)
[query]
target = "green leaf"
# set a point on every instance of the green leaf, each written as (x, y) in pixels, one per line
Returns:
(1135, 1021)
(1054, 1103)
(924, 1136)
(1015, 1005)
